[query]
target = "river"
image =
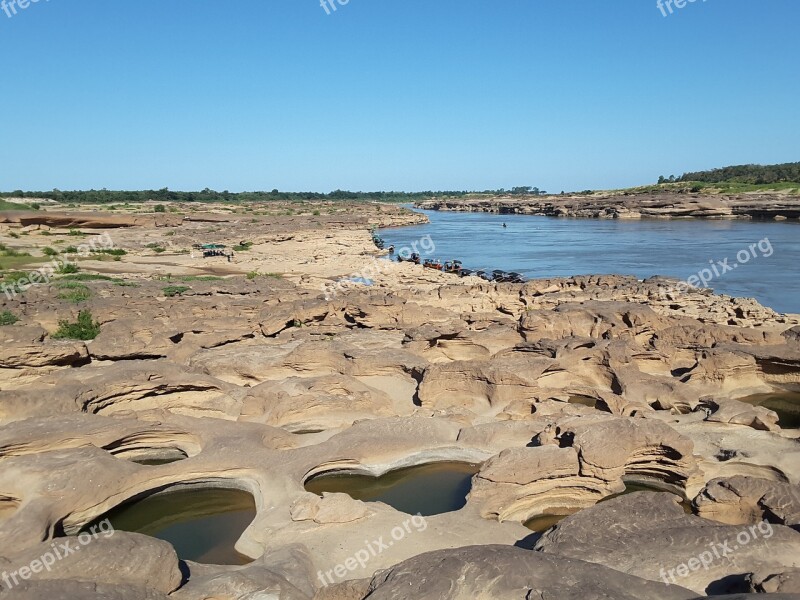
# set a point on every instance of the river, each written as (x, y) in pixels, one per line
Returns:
(540, 247)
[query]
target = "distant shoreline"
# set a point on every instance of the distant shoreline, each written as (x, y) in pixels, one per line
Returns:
(660, 205)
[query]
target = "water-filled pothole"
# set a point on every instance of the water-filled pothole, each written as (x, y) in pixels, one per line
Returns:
(583, 401)
(429, 489)
(541, 523)
(155, 462)
(202, 524)
(786, 404)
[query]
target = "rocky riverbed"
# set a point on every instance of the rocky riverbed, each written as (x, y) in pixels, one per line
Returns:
(616, 205)
(260, 373)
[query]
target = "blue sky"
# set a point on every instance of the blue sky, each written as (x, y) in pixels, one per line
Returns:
(392, 94)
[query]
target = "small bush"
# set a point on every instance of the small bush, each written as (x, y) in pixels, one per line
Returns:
(7, 318)
(252, 275)
(243, 247)
(87, 277)
(12, 277)
(76, 233)
(48, 251)
(160, 208)
(14, 234)
(200, 278)
(71, 250)
(36, 206)
(6, 251)
(316, 213)
(111, 251)
(175, 290)
(67, 269)
(74, 291)
(84, 328)
(45, 232)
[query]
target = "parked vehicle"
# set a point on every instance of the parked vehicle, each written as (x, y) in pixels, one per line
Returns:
(453, 266)
(432, 264)
(414, 258)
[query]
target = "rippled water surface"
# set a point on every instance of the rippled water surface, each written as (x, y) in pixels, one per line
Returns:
(552, 247)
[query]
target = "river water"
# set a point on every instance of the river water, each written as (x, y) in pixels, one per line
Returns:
(541, 247)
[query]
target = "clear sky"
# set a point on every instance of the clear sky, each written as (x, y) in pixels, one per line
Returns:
(392, 94)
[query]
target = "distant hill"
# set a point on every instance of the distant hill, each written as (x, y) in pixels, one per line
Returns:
(747, 174)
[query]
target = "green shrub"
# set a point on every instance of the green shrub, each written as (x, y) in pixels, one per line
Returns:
(160, 208)
(14, 234)
(6, 251)
(87, 277)
(13, 277)
(48, 251)
(316, 213)
(7, 318)
(252, 275)
(74, 291)
(243, 247)
(76, 233)
(111, 251)
(84, 328)
(175, 290)
(71, 250)
(67, 269)
(200, 278)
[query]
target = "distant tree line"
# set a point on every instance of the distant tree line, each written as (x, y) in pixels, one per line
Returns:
(750, 174)
(166, 195)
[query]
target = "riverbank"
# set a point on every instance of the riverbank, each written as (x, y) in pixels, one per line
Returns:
(620, 205)
(258, 374)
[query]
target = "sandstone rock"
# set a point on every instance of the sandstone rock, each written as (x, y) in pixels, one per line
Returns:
(314, 403)
(147, 560)
(505, 573)
(521, 483)
(739, 413)
(28, 346)
(745, 500)
(649, 535)
(80, 590)
(765, 582)
(285, 575)
(331, 508)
